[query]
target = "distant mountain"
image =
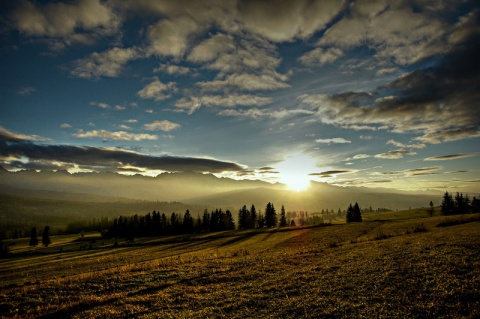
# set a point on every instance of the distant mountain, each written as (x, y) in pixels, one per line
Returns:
(209, 190)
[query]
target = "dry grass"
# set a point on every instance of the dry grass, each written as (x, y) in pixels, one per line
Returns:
(342, 271)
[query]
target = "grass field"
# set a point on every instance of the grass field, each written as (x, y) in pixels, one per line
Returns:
(391, 268)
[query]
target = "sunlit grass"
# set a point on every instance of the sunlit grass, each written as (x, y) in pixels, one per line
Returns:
(415, 270)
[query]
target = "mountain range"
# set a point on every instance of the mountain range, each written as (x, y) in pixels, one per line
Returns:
(204, 189)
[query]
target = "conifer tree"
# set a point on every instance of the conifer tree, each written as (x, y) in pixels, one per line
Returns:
(33, 237)
(349, 216)
(283, 218)
(448, 206)
(357, 214)
(253, 217)
(270, 215)
(46, 236)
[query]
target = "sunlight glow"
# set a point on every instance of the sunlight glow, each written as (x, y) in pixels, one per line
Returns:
(295, 170)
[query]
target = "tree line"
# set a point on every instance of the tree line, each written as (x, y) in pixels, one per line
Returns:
(459, 204)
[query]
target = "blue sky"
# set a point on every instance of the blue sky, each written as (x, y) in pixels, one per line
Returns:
(354, 93)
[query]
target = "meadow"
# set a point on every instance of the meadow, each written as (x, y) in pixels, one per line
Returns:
(392, 266)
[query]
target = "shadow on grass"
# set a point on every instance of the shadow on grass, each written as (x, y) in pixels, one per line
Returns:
(82, 306)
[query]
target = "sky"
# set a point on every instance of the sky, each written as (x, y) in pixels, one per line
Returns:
(351, 93)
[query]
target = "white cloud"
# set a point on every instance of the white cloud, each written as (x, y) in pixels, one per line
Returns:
(164, 125)
(172, 69)
(395, 154)
(285, 21)
(212, 48)
(119, 107)
(75, 22)
(101, 105)
(105, 64)
(247, 82)
(335, 140)
(171, 37)
(157, 91)
(131, 121)
(321, 56)
(65, 125)
(117, 136)
(382, 26)
(192, 104)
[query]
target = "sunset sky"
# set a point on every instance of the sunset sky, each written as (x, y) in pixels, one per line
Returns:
(354, 93)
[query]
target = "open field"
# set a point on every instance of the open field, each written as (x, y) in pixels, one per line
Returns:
(404, 268)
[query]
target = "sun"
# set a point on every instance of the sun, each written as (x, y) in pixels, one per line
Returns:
(295, 170)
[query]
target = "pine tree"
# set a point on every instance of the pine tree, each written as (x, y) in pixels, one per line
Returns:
(448, 206)
(33, 237)
(349, 217)
(475, 205)
(187, 224)
(253, 217)
(46, 236)
(270, 215)
(357, 214)
(244, 218)
(283, 219)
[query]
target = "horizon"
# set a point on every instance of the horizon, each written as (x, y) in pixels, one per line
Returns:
(347, 93)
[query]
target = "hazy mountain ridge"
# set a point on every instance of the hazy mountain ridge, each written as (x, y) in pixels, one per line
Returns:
(205, 189)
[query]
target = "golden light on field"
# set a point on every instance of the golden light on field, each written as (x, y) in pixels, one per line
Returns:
(295, 170)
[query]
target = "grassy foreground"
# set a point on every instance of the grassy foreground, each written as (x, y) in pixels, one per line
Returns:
(407, 268)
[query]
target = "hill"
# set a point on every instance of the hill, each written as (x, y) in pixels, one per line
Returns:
(408, 268)
(204, 189)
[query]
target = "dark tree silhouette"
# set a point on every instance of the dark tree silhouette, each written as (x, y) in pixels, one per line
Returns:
(448, 205)
(354, 214)
(475, 205)
(46, 236)
(283, 218)
(253, 217)
(349, 216)
(187, 224)
(430, 212)
(244, 218)
(33, 237)
(270, 215)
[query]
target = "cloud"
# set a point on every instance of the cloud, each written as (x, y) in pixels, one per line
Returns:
(105, 64)
(164, 125)
(157, 90)
(335, 140)
(448, 157)
(131, 121)
(117, 136)
(245, 81)
(65, 125)
(26, 90)
(172, 69)
(171, 37)
(414, 171)
(192, 104)
(64, 19)
(282, 21)
(321, 56)
(358, 157)
(381, 25)
(101, 105)
(438, 103)
(95, 158)
(119, 107)
(328, 174)
(212, 48)
(395, 154)
(10, 136)
(256, 113)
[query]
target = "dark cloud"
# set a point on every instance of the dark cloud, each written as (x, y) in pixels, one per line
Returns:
(447, 157)
(414, 171)
(331, 173)
(40, 156)
(438, 103)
